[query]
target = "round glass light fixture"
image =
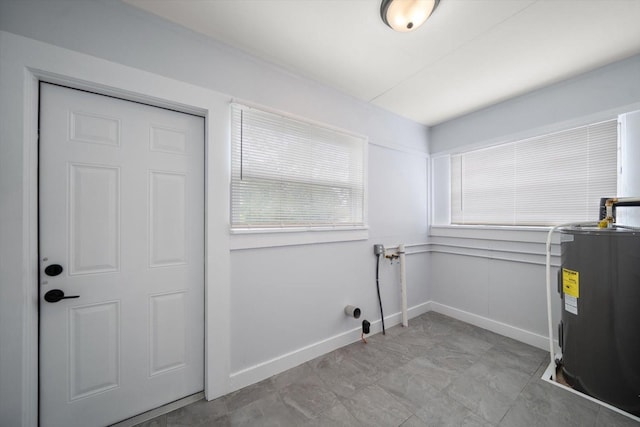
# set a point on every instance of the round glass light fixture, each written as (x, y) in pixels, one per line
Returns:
(406, 15)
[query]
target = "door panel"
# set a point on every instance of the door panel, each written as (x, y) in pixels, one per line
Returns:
(167, 218)
(121, 209)
(167, 339)
(94, 219)
(85, 352)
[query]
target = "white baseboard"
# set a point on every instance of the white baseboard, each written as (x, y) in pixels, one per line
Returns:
(264, 370)
(510, 331)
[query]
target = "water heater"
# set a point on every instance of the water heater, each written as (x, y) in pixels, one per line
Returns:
(599, 282)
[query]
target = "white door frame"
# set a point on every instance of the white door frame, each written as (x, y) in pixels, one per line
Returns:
(23, 64)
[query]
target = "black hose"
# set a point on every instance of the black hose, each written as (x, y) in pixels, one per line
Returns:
(378, 288)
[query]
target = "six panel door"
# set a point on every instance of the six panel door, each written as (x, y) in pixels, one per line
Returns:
(121, 212)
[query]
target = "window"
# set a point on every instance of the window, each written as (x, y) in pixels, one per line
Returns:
(546, 180)
(291, 174)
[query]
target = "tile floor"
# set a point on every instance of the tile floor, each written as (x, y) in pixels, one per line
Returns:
(437, 372)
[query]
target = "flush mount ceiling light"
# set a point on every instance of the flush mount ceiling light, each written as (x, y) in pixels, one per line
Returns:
(406, 15)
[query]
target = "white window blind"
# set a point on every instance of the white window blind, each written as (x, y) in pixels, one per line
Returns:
(546, 180)
(287, 173)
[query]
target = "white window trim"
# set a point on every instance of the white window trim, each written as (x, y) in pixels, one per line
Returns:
(262, 237)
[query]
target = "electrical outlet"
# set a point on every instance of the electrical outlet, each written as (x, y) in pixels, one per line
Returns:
(378, 249)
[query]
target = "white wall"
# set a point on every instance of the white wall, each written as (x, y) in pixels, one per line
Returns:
(602, 93)
(285, 303)
(286, 298)
(495, 276)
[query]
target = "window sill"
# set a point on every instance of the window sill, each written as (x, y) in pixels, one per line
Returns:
(269, 238)
(508, 233)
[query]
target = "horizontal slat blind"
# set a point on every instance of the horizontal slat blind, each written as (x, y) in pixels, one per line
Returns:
(546, 180)
(287, 173)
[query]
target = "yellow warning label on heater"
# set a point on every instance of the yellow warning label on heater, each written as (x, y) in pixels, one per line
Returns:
(571, 282)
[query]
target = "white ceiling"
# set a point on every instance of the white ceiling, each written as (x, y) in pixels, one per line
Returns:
(468, 55)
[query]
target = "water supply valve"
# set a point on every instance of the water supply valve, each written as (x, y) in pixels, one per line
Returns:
(391, 256)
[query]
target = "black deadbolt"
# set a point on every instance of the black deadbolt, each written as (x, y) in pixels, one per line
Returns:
(55, 295)
(53, 270)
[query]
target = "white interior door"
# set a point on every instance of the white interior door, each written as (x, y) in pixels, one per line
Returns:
(121, 212)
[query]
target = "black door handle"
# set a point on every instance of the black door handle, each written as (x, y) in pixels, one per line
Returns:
(55, 295)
